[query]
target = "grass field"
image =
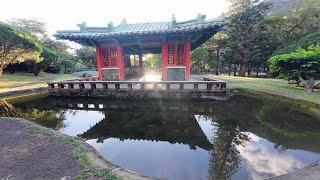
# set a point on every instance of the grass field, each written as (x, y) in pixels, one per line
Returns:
(273, 86)
(19, 81)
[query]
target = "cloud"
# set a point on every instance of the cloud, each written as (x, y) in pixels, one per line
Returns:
(262, 160)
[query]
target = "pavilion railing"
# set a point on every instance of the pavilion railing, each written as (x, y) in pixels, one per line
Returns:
(87, 85)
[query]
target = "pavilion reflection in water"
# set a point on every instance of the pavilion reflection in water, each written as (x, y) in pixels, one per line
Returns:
(154, 126)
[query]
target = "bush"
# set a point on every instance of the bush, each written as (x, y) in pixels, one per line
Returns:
(53, 69)
(68, 65)
(299, 65)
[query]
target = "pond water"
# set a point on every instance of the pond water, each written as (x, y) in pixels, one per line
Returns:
(245, 137)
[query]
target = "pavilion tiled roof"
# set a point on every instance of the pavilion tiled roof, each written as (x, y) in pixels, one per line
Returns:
(125, 29)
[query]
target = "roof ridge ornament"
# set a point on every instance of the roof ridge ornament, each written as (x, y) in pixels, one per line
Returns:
(173, 21)
(200, 18)
(82, 27)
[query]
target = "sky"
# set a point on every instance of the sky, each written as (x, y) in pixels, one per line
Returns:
(66, 14)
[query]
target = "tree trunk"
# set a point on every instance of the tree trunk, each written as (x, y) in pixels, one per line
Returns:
(257, 75)
(310, 84)
(249, 71)
(218, 60)
(1, 68)
(234, 70)
(242, 70)
(229, 70)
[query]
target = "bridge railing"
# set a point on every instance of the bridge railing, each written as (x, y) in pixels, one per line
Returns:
(207, 85)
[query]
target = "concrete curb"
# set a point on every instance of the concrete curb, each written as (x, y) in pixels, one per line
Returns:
(310, 172)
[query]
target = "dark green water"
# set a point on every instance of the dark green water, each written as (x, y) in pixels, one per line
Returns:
(246, 137)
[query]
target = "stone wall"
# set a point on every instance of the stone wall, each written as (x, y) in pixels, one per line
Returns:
(141, 95)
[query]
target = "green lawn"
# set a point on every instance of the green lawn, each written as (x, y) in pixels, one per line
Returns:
(19, 81)
(273, 86)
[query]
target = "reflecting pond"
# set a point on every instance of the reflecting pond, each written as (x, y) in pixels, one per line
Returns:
(246, 137)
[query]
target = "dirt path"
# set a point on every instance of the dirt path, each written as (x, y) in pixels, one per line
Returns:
(26, 155)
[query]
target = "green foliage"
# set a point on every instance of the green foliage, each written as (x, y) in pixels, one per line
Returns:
(47, 118)
(53, 52)
(30, 26)
(301, 20)
(154, 62)
(302, 63)
(248, 42)
(17, 46)
(86, 56)
(49, 56)
(304, 43)
(59, 47)
(69, 65)
(199, 58)
(259, 29)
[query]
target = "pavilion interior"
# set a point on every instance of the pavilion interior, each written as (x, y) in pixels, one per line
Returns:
(134, 56)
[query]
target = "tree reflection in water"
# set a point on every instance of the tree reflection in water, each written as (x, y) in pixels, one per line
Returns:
(224, 160)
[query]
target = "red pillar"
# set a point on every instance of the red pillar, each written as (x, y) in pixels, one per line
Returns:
(99, 62)
(187, 47)
(164, 54)
(120, 62)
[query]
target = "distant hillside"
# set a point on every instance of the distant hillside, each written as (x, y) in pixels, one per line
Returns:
(283, 7)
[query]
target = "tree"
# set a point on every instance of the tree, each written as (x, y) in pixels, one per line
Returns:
(60, 47)
(69, 65)
(53, 51)
(199, 59)
(301, 19)
(16, 46)
(33, 27)
(154, 62)
(304, 64)
(304, 43)
(244, 29)
(214, 46)
(86, 55)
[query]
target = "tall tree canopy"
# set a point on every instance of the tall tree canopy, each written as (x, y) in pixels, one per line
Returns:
(247, 33)
(312, 39)
(16, 46)
(53, 51)
(31, 26)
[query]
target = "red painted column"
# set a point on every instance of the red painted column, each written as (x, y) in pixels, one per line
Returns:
(141, 65)
(120, 62)
(187, 47)
(99, 62)
(164, 54)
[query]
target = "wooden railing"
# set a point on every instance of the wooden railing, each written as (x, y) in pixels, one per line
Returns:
(208, 85)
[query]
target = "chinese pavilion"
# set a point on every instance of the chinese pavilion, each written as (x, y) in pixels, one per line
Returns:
(173, 40)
